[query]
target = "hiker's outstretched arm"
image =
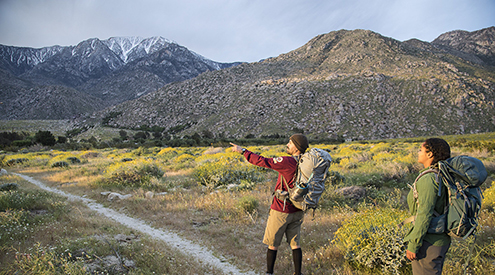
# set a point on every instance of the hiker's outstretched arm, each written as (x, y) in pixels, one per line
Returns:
(236, 148)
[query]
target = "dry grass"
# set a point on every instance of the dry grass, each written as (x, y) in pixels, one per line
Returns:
(214, 219)
(80, 228)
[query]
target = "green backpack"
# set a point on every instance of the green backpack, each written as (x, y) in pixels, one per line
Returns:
(462, 177)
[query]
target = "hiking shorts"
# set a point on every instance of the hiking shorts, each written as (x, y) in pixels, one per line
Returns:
(280, 224)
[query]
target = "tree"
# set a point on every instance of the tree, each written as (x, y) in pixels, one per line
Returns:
(46, 138)
(140, 135)
(207, 134)
(123, 134)
(62, 139)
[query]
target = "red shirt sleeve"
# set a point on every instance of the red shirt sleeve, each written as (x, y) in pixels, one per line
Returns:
(286, 167)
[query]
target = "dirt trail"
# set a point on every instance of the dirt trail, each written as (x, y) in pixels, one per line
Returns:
(202, 254)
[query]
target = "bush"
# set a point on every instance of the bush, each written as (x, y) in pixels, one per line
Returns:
(226, 171)
(46, 138)
(61, 164)
(12, 162)
(44, 261)
(73, 160)
(489, 198)
(248, 204)
(22, 200)
(372, 239)
(132, 174)
(8, 187)
(22, 143)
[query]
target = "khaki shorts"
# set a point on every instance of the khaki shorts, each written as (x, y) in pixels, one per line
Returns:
(280, 224)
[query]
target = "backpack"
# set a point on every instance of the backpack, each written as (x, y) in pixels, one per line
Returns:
(309, 180)
(462, 177)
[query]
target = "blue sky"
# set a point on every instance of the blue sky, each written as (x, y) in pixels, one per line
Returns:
(234, 30)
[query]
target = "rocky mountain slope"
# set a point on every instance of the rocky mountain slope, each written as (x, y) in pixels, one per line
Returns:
(344, 84)
(477, 47)
(63, 82)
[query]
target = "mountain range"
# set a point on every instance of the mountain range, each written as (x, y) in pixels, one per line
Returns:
(350, 84)
(63, 82)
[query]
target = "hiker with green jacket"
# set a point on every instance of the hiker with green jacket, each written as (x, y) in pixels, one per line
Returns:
(427, 250)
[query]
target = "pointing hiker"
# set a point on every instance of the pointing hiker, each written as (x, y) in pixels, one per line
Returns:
(284, 218)
(427, 250)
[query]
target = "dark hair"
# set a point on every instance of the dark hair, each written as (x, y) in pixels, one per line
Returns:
(439, 147)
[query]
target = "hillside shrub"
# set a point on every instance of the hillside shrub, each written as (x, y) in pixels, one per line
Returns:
(46, 138)
(44, 261)
(22, 143)
(372, 240)
(60, 164)
(13, 224)
(348, 163)
(489, 198)
(248, 204)
(8, 187)
(226, 171)
(26, 200)
(13, 162)
(136, 174)
(73, 160)
(167, 153)
(16, 206)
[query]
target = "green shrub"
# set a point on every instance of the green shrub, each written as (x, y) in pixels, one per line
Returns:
(12, 162)
(44, 261)
(226, 171)
(16, 220)
(13, 224)
(248, 204)
(489, 198)
(26, 200)
(132, 174)
(73, 160)
(46, 138)
(365, 179)
(8, 187)
(335, 178)
(62, 164)
(371, 239)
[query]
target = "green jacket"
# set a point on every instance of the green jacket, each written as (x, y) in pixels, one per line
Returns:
(429, 201)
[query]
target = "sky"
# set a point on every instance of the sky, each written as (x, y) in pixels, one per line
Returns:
(233, 30)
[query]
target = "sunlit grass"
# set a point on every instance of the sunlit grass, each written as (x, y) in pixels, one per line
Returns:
(228, 214)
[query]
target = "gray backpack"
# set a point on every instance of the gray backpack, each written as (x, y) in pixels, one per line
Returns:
(309, 182)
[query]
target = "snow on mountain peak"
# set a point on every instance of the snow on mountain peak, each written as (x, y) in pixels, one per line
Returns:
(124, 46)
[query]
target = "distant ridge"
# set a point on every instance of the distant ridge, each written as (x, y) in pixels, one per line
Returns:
(344, 84)
(100, 72)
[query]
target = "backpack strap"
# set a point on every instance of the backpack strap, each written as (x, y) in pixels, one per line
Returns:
(415, 193)
(431, 170)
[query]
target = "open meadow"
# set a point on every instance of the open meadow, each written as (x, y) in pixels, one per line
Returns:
(213, 197)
